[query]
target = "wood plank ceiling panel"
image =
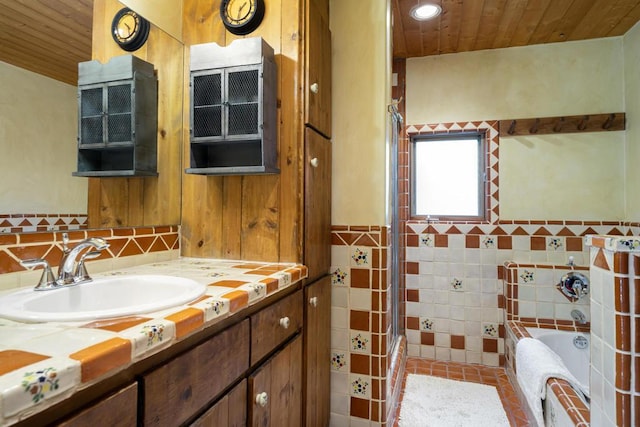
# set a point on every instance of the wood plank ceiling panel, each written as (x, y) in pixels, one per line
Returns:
(492, 24)
(48, 37)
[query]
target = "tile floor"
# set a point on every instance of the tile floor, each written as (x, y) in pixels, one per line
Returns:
(473, 373)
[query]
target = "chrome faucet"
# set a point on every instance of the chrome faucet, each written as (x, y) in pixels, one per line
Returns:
(66, 273)
(578, 317)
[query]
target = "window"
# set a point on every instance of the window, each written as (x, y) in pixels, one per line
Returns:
(448, 176)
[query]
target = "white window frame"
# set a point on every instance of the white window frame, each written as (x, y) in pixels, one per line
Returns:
(480, 137)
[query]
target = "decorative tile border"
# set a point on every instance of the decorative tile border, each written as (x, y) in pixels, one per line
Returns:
(123, 242)
(27, 223)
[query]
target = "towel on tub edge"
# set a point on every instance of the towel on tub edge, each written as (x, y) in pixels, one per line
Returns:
(535, 364)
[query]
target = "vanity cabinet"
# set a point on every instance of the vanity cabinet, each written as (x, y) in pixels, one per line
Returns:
(118, 409)
(233, 108)
(117, 118)
(229, 411)
(176, 391)
(275, 389)
(317, 353)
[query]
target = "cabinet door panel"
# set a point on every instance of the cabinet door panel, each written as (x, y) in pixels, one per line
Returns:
(317, 204)
(267, 330)
(183, 386)
(318, 56)
(230, 411)
(281, 379)
(317, 352)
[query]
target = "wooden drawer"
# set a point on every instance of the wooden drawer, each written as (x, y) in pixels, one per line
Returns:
(119, 409)
(273, 325)
(183, 386)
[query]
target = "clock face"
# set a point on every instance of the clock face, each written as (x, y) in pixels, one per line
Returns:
(129, 30)
(241, 16)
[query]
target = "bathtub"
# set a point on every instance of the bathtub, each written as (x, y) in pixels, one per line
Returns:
(573, 349)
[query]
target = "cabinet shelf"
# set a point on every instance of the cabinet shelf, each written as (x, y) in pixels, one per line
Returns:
(233, 109)
(117, 123)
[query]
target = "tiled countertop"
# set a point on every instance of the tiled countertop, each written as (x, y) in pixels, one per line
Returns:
(44, 363)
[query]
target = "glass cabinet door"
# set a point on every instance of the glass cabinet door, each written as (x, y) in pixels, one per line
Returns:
(243, 102)
(119, 117)
(207, 111)
(91, 114)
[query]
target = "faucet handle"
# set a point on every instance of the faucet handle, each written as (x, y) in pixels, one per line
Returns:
(65, 242)
(47, 280)
(81, 275)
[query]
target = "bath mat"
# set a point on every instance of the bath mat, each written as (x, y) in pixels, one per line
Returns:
(438, 402)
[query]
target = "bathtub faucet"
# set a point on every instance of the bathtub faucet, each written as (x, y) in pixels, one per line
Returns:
(578, 316)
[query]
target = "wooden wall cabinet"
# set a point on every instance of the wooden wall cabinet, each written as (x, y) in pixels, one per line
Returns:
(117, 123)
(233, 108)
(318, 69)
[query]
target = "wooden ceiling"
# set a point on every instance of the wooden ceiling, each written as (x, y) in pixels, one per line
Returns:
(50, 37)
(468, 25)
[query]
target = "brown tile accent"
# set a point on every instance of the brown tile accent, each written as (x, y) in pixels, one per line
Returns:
(601, 260)
(413, 295)
(412, 267)
(574, 244)
(272, 284)
(359, 320)
(472, 242)
(621, 262)
(538, 243)
(118, 324)
(504, 242)
(189, 319)
(621, 294)
(360, 278)
(623, 409)
(145, 242)
(623, 332)
(623, 371)
(228, 283)
(10, 360)
(102, 357)
(457, 342)
(359, 408)
(360, 364)
(490, 345)
(427, 338)
(441, 241)
(131, 248)
(413, 323)
(412, 240)
(237, 300)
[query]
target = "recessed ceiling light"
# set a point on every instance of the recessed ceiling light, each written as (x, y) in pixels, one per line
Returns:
(425, 11)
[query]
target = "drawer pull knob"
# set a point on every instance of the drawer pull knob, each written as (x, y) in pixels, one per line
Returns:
(262, 399)
(313, 301)
(314, 87)
(314, 162)
(285, 322)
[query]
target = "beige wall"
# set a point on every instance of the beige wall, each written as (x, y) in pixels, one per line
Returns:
(632, 101)
(568, 176)
(361, 88)
(38, 131)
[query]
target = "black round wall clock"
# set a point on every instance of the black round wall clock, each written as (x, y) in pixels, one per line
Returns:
(129, 30)
(242, 17)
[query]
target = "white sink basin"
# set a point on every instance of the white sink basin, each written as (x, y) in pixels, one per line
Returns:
(101, 298)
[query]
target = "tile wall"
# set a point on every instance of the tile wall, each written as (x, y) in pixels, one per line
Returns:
(27, 223)
(364, 373)
(128, 246)
(615, 345)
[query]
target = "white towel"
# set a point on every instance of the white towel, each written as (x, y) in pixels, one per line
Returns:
(535, 364)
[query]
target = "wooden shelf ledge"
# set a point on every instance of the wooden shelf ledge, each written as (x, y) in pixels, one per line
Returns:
(566, 124)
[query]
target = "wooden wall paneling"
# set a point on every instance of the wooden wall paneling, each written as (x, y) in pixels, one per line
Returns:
(290, 112)
(202, 196)
(162, 195)
(260, 234)
(153, 200)
(231, 217)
